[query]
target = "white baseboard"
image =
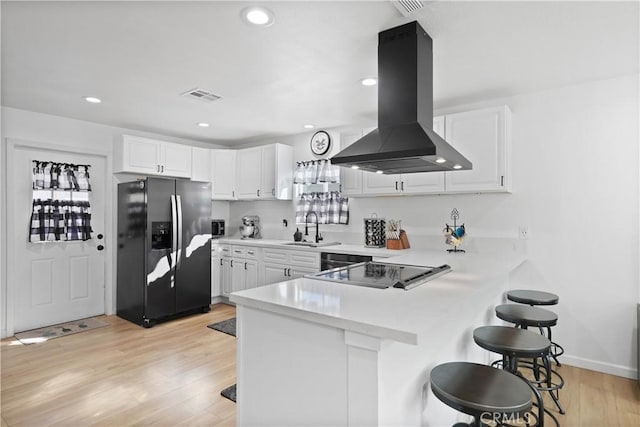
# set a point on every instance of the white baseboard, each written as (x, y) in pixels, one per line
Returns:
(217, 300)
(3, 333)
(594, 365)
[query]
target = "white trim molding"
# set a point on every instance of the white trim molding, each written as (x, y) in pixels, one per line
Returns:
(604, 367)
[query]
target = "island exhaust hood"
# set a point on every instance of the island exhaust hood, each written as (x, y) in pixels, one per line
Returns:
(404, 141)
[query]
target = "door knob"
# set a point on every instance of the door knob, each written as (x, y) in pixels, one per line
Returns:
(100, 247)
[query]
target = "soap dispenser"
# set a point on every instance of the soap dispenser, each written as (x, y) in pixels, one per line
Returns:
(297, 236)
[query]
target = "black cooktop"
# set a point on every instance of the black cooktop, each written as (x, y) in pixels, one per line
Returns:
(382, 275)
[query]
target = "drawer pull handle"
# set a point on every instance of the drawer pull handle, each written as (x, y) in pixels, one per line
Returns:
(250, 252)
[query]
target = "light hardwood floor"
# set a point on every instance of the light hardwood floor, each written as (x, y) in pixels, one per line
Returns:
(123, 374)
(172, 375)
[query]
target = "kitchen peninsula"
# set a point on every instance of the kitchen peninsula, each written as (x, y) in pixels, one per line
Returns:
(323, 353)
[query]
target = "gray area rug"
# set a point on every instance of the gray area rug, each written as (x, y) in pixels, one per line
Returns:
(227, 326)
(229, 393)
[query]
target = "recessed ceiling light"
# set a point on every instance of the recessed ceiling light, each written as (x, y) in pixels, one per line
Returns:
(441, 160)
(369, 81)
(379, 172)
(355, 167)
(92, 99)
(457, 167)
(257, 15)
(309, 126)
(203, 125)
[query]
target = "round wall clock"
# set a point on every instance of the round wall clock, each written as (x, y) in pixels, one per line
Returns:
(320, 143)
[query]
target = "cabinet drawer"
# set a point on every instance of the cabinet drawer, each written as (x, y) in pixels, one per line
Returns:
(276, 255)
(306, 259)
(292, 257)
(225, 250)
(251, 252)
(238, 251)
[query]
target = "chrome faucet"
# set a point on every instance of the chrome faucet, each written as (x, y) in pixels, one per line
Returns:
(306, 226)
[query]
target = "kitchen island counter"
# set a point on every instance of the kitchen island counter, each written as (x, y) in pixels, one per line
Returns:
(364, 352)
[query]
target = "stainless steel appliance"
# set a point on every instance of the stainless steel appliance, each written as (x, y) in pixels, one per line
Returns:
(329, 260)
(164, 249)
(405, 141)
(250, 228)
(218, 227)
(382, 275)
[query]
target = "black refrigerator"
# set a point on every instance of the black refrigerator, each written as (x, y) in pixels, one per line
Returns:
(164, 249)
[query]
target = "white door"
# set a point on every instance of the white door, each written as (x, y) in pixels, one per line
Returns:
(268, 172)
(376, 183)
(273, 273)
(54, 282)
(350, 179)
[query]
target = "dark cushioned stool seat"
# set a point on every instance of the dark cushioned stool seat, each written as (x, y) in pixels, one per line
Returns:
(524, 296)
(476, 390)
(523, 315)
(513, 341)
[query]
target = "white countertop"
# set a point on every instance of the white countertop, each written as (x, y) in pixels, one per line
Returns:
(341, 248)
(396, 314)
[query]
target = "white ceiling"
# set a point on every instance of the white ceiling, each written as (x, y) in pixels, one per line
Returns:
(139, 56)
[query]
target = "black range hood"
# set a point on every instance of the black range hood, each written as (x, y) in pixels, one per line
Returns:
(404, 141)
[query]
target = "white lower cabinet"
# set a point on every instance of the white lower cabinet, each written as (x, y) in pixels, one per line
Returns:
(239, 268)
(285, 264)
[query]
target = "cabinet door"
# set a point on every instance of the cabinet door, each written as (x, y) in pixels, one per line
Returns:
(200, 164)
(273, 273)
(377, 183)
(216, 276)
(223, 174)
(482, 137)
(350, 179)
(248, 174)
(176, 160)
(237, 274)
(139, 155)
(250, 274)
(225, 276)
(268, 172)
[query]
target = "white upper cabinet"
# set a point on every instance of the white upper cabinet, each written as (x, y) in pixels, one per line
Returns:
(265, 173)
(223, 174)
(483, 137)
(200, 164)
(248, 173)
(134, 154)
(350, 179)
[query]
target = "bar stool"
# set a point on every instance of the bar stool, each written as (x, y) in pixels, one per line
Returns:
(513, 344)
(484, 392)
(525, 296)
(523, 317)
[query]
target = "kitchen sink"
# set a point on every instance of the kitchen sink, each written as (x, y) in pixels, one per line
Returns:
(313, 245)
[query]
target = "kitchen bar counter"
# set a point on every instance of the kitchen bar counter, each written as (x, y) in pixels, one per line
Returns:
(305, 345)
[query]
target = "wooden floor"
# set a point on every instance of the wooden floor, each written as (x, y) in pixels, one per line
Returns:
(122, 374)
(172, 375)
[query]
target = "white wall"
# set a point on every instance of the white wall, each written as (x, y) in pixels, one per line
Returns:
(576, 187)
(40, 128)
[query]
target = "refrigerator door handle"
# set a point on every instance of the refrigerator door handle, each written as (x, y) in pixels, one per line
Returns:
(174, 238)
(179, 240)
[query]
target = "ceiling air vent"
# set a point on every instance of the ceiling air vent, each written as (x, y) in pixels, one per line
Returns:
(407, 7)
(201, 95)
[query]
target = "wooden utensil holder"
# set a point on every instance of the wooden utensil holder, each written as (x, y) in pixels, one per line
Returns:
(401, 243)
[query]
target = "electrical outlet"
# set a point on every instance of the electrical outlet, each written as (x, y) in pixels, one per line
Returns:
(285, 223)
(523, 232)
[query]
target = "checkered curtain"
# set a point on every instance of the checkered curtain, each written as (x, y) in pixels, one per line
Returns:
(59, 220)
(331, 208)
(316, 172)
(60, 176)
